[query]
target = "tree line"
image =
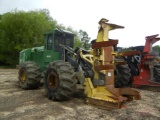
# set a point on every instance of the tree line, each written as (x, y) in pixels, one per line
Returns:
(20, 30)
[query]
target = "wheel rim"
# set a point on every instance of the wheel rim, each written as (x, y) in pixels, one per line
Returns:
(52, 80)
(23, 76)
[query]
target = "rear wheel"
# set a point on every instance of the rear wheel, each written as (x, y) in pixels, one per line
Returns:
(60, 81)
(29, 75)
(122, 76)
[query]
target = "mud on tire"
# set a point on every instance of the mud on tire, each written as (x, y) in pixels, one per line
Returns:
(29, 75)
(59, 81)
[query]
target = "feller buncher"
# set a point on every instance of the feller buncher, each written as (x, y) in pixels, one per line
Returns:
(145, 67)
(101, 71)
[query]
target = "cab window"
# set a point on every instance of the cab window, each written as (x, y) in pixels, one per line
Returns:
(49, 42)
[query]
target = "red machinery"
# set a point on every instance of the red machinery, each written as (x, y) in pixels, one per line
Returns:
(147, 71)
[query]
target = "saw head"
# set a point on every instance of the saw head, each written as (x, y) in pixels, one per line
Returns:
(103, 93)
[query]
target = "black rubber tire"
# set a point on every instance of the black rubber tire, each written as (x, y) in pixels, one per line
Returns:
(29, 75)
(60, 81)
(157, 73)
(122, 76)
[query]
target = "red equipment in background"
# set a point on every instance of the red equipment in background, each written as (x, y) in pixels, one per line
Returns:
(149, 64)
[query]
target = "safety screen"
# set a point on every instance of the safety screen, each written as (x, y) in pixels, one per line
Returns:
(64, 39)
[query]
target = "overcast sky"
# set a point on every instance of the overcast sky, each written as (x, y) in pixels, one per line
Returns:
(139, 17)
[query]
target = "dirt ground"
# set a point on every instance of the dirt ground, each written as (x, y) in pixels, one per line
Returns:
(18, 104)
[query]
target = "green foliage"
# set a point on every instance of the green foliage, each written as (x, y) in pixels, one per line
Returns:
(84, 39)
(77, 40)
(156, 48)
(20, 30)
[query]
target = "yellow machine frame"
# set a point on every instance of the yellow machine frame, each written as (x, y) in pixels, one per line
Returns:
(102, 57)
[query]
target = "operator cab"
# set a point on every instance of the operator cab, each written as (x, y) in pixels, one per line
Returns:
(56, 37)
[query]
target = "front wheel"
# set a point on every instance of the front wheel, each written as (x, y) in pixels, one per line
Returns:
(60, 81)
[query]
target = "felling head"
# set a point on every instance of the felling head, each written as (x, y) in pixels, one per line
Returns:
(103, 20)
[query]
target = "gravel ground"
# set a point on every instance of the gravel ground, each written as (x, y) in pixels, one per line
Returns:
(17, 104)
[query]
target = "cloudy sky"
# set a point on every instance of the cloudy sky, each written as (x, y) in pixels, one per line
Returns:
(139, 17)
